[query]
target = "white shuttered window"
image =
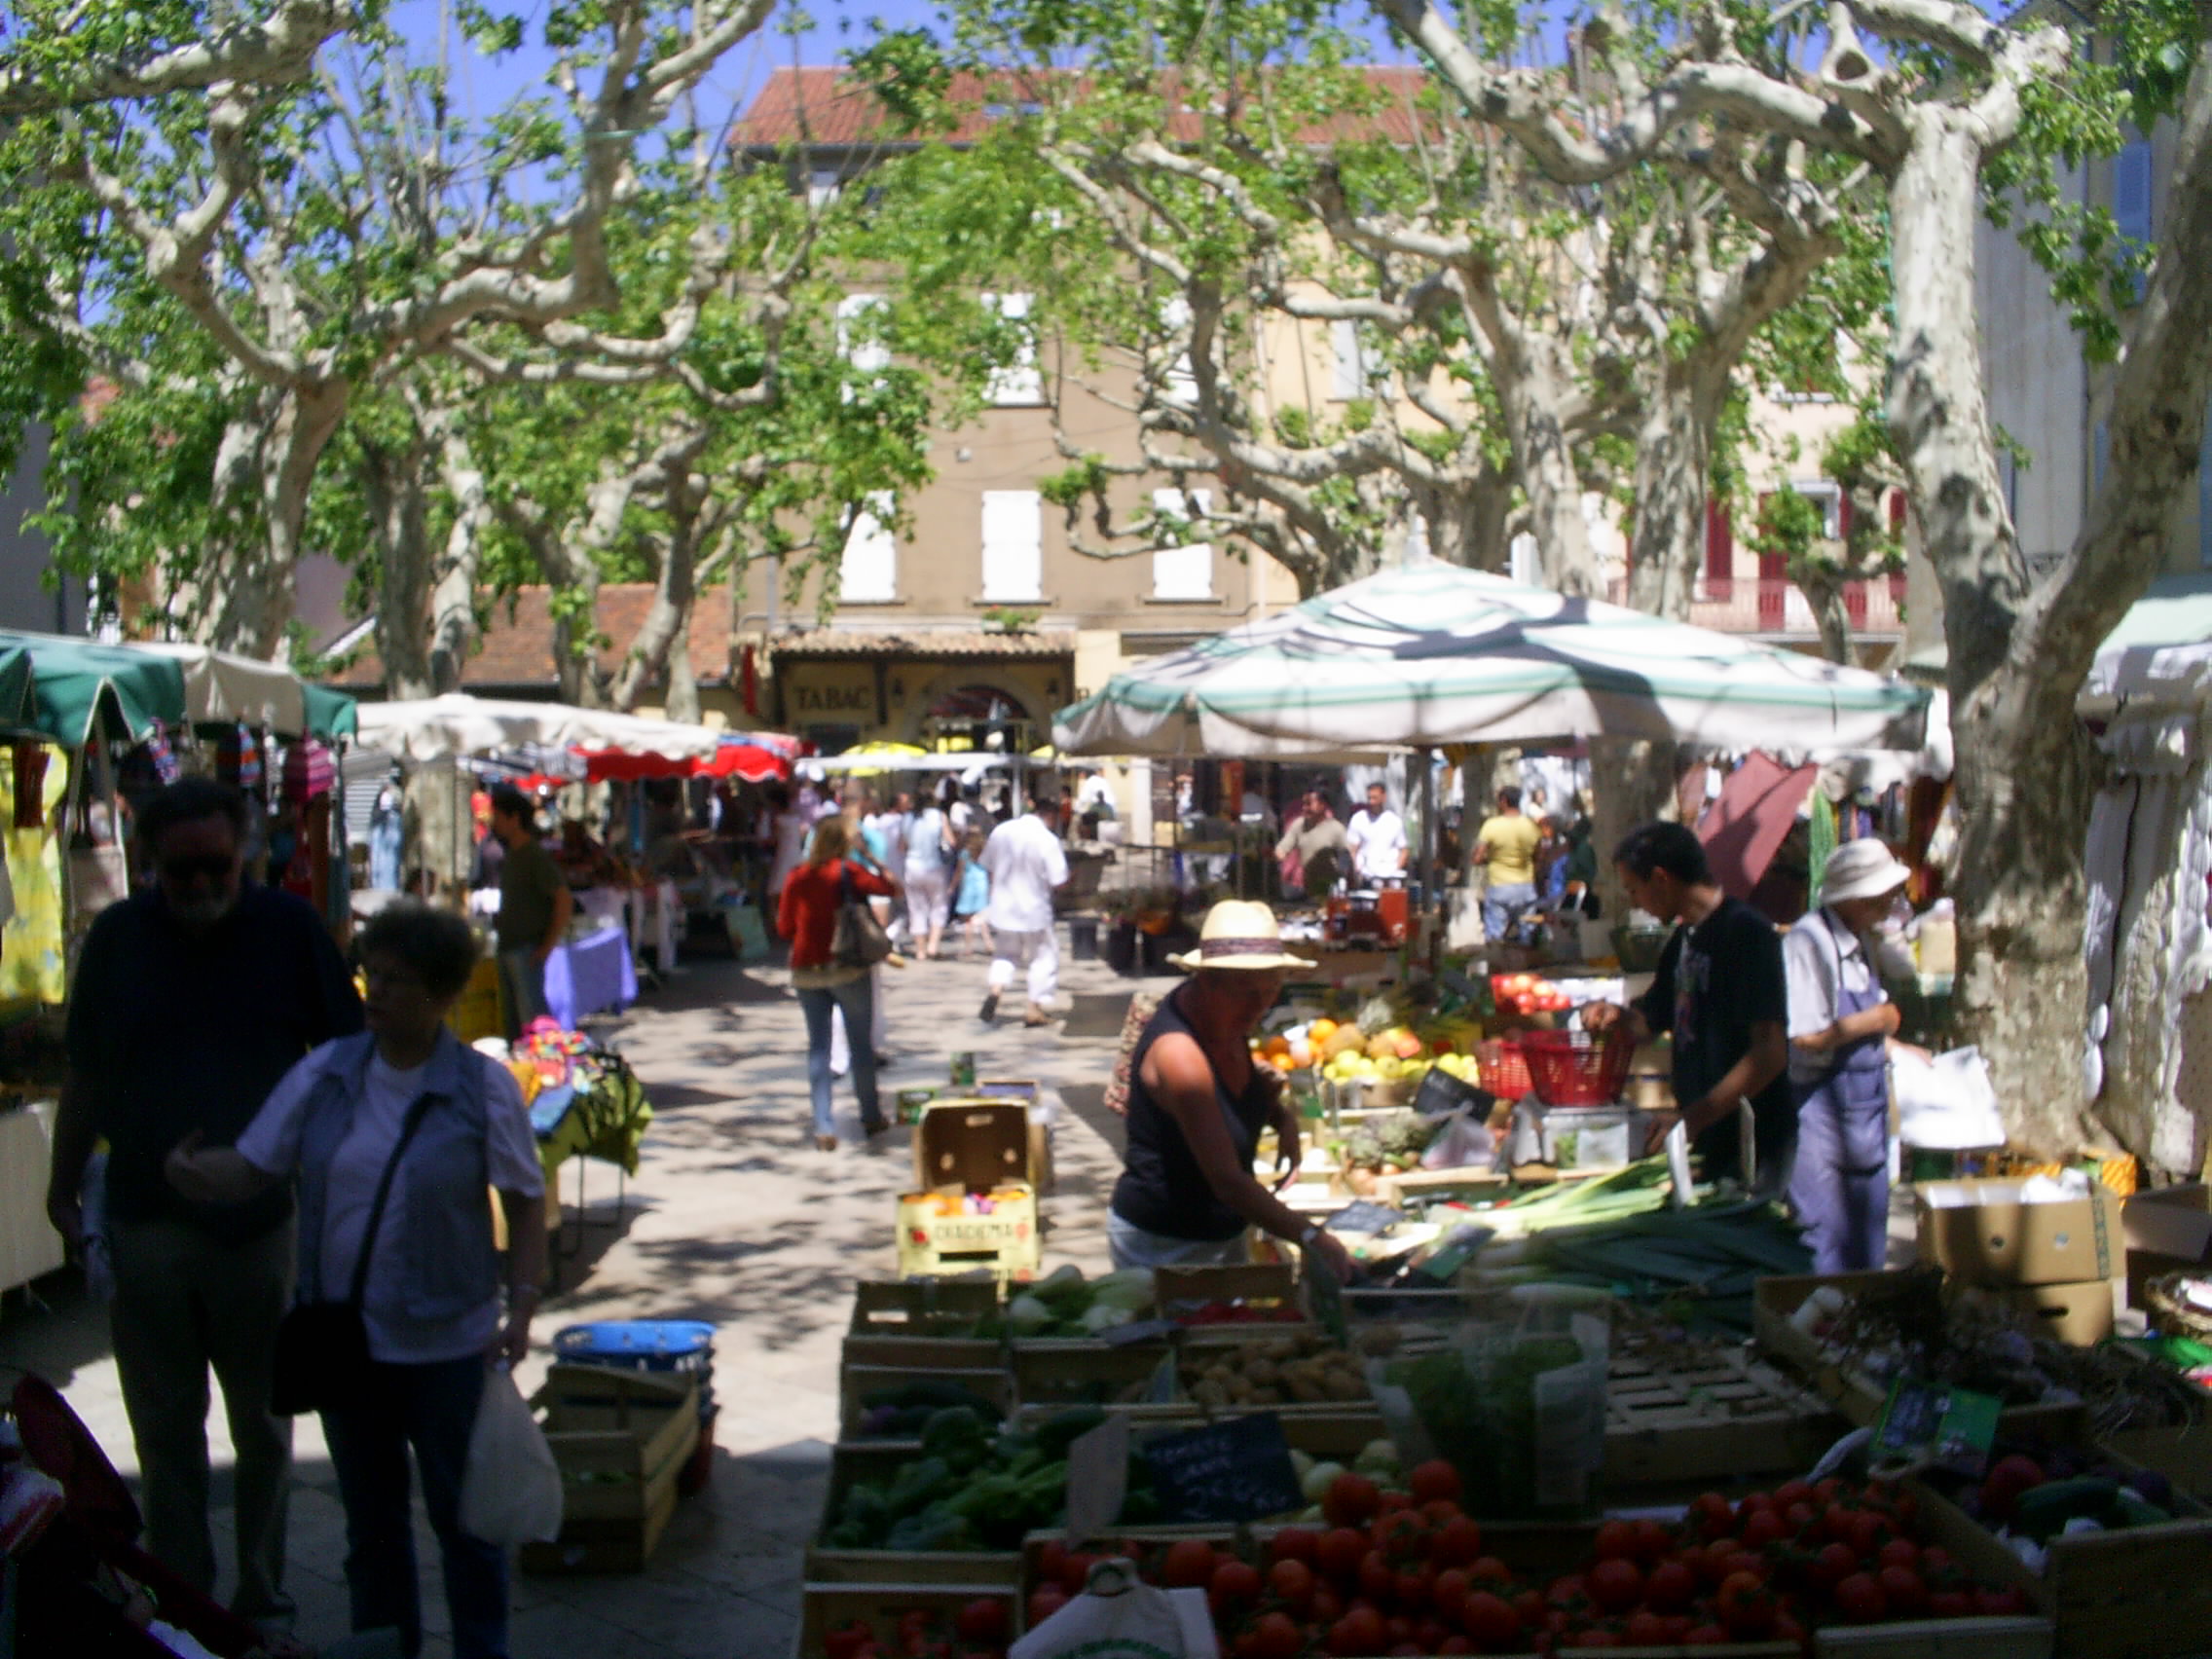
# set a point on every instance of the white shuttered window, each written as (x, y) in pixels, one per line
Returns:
(1014, 546)
(869, 572)
(1186, 572)
(1019, 382)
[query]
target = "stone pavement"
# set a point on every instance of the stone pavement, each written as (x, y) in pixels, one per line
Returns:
(735, 1219)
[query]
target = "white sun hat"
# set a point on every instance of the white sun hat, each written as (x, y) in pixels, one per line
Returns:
(1862, 870)
(1241, 934)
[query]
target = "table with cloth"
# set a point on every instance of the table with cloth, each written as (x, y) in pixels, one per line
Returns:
(590, 975)
(584, 1102)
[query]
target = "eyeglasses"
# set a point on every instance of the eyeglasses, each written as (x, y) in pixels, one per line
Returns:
(214, 867)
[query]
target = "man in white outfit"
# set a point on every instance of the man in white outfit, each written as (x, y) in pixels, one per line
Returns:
(1024, 860)
(1378, 837)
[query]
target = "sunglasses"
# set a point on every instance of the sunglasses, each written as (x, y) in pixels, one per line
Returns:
(213, 867)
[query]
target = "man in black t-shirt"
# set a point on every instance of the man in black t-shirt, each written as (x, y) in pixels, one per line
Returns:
(188, 1004)
(1720, 990)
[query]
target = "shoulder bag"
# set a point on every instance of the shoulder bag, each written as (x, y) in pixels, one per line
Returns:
(859, 940)
(322, 1348)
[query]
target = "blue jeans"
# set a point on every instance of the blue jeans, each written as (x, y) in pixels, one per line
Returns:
(1503, 908)
(431, 1407)
(856, 997)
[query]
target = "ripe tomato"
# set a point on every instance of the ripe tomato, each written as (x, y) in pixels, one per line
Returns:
(1568, 1590)
(1377, 1578)
(1447, 1595)
(1617, 1584)
(1235, 1584)
(1899, 1552)
(1670, 1586)
(1650, 1542)
(1531, 1607)
(1490, 1621)
(1189, 1565)
(848, 1639)
(1746, 1606)
(1712, 1515)
(1402, 1536)
(1936, 1558)
(1754, 1501)
(1869, 1530)
(983, 1620)
(1798, 1517)
(1277, 1637)
(1044, 1601)
(1291, 1581)
(1352, 1500)
(1429, 1635)
(1489, 1568)
(1645, 1629)
(1358, 1635)
(1950, 1604)
(1328, 1606)
(1075, 1573)
(1792, 1491)
(1051, 1560)
(1832, 1564)
(1711, 1561)
(1414, 1586)
(1340, 1553)
(1859, 1599)
(1903, 1590)
(1615, 1540)
(1762, 1526)
(2009, 1601)
(1438, 1512)
(1434, 1481)
(1459, 1542)
(1295, 1543)
(1706, 1636)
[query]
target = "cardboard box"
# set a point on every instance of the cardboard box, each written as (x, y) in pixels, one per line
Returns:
(933, 1239)
(2169, 1230)
(973, 1143)
(1981, 1231)
(2081, 1315)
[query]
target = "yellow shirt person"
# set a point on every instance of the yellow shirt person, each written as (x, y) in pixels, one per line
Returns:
(1509, 849)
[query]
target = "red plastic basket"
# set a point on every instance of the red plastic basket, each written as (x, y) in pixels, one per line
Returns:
(1501, 1068)
(1568, 1068)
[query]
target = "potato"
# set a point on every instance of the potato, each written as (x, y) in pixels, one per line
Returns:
(1240, 1390)
(1342, 1386)
(1306, 1391)
(1261, 1371)
(1379, 1341)
(1278, 1351)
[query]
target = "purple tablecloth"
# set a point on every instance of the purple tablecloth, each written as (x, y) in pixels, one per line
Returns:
(589, 975)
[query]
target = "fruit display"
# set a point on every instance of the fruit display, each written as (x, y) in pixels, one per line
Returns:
(1390, 1144)
(1527, 993)
(1411, 1573)
(2028, 1499)
(1382, 1043)
(979, 1628)
(1275, 1371)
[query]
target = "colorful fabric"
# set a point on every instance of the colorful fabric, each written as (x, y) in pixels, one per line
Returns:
(33, 967)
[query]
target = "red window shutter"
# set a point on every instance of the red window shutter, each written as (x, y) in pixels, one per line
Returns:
(1899, 510)
(1720, 551)
(1774, 576)
(1843, 517)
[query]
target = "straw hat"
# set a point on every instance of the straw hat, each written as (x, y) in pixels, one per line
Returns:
(1862, 870)
(1239, 934)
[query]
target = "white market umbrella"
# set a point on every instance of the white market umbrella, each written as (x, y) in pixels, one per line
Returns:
(1436, 654)
(441, 728)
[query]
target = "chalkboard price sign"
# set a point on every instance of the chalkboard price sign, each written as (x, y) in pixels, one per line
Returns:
(1235, 1470)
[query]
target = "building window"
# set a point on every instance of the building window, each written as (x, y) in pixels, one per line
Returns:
(1014, 546)
(1019, 382)
(860, 321)
(1352, 367)
(1182, 385)
(1835, 521)
(822, 187)
(869, 572)
(1186, 572)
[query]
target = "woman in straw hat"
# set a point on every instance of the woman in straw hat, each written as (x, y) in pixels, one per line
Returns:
(1198, 1103)
(1841, 1024)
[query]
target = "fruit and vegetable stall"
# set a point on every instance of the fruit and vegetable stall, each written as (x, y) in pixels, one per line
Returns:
(1531, 1466)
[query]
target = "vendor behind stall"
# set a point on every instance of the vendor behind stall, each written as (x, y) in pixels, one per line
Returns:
(1198, 1102)
(1841, 1024)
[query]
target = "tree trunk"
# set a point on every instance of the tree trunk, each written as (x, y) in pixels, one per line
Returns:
(1823, 588)
(452, 595)
(664, 635)
(1674, 463)
(248, 599)
(392, 478)
(2022, 759)
(1544, 457)
(1632, 783)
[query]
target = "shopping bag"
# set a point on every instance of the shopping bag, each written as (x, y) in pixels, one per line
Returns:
(1118, 1617)
(1947, 1103)
(510, 1488)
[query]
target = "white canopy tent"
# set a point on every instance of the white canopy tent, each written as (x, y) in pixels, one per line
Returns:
(457, 724)
(1436, 654)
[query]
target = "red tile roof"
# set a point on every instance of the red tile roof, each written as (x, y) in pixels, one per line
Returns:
(517, 647)
(825, 107)
(924, 642)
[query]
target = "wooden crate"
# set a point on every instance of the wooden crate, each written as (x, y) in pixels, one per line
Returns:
(1260, 1283)
(1938, 1638)
(823, 1608)
(923, 1324)
(2140, 1594)
(2184, 1455)
(1072, 1371)
(1336, 1435)
(621, 1439)
(1859, 1397)
(1431, 1185)
(1708, 1415)
(993, 1388)
(860, 1460)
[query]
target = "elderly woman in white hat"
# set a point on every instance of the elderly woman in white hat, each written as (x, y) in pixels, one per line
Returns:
(1198, 1102)
(1841, 1023)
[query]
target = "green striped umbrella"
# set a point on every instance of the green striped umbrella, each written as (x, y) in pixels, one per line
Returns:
(1436, 654)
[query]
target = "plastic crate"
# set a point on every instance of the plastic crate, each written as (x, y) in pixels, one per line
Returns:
(686, 1346)
(1504, 1072)
(1567, 1068)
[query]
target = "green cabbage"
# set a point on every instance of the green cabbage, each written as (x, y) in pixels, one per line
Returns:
(1129, 1288)
(1027, 1315)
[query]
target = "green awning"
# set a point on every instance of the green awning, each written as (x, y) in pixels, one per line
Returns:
(77, 687)
(331, 714)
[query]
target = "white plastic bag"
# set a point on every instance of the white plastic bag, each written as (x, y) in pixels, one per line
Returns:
(1462, 1144)
(1946, 1105)
(1117, 1617)
(510, 1491)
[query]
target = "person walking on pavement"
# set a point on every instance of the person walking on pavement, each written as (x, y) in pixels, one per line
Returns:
(1505, 847)
(395, 1136)
(930, 848)
(1720, 990)
(807, 916)
(535, 908)
(1377, 837)
(1024, 862)
(1842, 1026)
(971, 896)
(190, 1004)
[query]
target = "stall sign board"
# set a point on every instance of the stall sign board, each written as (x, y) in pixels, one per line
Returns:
(1235, 1470)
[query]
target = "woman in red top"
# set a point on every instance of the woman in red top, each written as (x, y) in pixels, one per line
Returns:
(807, 916)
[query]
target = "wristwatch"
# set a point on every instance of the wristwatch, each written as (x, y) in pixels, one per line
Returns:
(1309, 1234)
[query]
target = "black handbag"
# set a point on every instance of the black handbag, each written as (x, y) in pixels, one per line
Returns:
(859, 940)
(322, 1348)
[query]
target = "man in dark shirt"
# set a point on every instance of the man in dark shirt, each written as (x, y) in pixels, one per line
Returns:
(535, 907)
(1720, 990)
(190, 1002)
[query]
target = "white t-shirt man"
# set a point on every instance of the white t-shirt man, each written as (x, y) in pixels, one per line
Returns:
(271, 1144)
(1378, 845)
(1025, 862)
(1821, 959)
